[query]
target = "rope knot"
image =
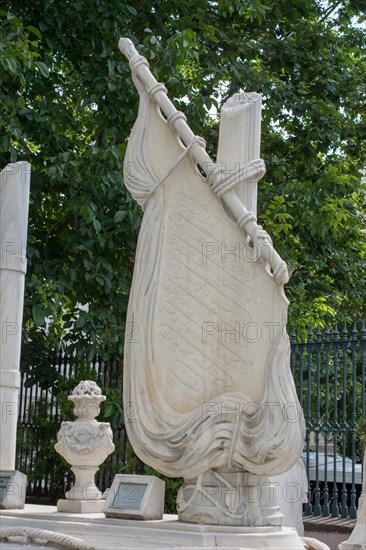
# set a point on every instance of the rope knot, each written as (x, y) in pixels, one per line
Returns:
(246, 218)
(174, 117)
(137, 62)
(196, 140)
(156, 88)
(221, 180)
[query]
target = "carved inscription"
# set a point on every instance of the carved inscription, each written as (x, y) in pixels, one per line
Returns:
(207, 316)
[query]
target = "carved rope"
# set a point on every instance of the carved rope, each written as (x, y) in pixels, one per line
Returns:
(253, 170)
(196, 140)
(59, 539)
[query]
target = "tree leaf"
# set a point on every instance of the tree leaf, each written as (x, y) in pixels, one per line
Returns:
(119, 216)
(43, 68)
(39, 314)
(34, 31)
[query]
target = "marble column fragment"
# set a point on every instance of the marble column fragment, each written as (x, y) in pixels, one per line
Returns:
(14, 200)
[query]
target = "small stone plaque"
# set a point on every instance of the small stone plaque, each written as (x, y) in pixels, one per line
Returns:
(12, 489)
(4, 482)
(130, 495)
(135, 497)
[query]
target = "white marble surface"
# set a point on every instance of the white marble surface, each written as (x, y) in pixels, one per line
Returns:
(107, 533)
(14, 199)
(292, 488)
(80, 506)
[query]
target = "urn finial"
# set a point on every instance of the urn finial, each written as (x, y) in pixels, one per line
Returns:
(87, 397)
(85, 443)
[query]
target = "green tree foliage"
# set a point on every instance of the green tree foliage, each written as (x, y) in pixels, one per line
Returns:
(68, 104)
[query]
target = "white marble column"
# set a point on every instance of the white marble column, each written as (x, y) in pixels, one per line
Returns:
(239, 141)
(14, 200)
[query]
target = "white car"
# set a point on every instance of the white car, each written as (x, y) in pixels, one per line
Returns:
(330, 468)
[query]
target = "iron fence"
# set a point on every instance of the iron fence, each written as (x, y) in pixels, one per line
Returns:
(329, 371)
(328, 368)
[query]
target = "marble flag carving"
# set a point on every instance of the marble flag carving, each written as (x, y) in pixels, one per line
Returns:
(207, 376)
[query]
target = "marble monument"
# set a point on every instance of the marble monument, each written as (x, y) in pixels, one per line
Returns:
(208, 376)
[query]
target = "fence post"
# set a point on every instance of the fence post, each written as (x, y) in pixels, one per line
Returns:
(336, 346)
(363, 362)
(344, 426)
(353, 423)
(326, 425)
(293, 352)
(309, 426)
(317, 510)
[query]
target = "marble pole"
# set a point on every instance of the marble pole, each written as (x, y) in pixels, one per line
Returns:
(14, 200)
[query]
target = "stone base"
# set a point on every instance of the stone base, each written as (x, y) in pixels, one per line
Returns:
(357, 540)
(352, 546)
(330, 530)
(13, 486)
(229, 498)
(169, 534)
(80, 506)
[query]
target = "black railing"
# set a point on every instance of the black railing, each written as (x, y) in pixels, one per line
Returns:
(329, 370)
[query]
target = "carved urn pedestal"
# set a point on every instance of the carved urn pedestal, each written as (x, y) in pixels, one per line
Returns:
(85, 444)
